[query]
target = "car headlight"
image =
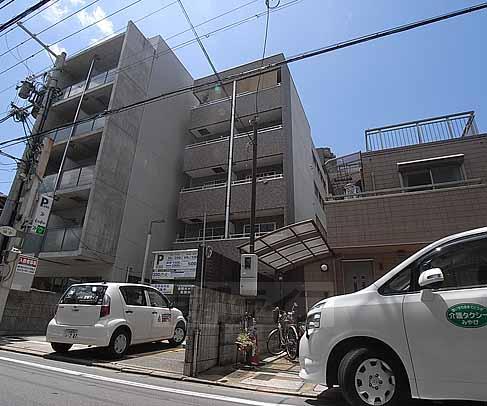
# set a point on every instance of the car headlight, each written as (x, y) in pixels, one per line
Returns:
(313, 321)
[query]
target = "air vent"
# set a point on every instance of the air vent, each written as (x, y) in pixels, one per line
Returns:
(204, 131)
(218, 169)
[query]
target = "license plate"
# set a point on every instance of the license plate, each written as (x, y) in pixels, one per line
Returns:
(71, 333)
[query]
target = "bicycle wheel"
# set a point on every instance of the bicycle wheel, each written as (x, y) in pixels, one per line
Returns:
(274, 345)
(292, 343)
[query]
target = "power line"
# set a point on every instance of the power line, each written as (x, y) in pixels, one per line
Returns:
(25, 13)
(5, 5)
(50, 26)
(269, 67)
(186, 43)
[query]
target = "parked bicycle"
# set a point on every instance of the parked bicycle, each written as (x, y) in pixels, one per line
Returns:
(287, 334)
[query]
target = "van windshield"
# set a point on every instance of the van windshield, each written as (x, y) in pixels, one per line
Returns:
(84, 294)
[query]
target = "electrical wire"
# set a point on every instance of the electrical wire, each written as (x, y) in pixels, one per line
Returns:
(269, 67)
(5, 5)
(183, 44)
(50, 27)
(24, 13)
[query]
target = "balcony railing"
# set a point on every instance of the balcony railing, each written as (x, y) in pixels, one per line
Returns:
(56, 240)
(235, 182)
(418, 132)
(218, 237)
(69, 179)
(402, 190)
(97, 80)
(82, 128)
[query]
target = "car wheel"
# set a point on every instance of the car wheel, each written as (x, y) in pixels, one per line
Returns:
(372, 377)
(179, 335)
(119, 343)
(61, 347)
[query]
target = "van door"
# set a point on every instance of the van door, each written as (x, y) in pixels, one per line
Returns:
(447, 330)
(137, 313)
(162, 323)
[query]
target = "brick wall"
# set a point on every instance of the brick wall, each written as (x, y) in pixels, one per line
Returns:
(28, 312)
(217, 317)
(380, 168)
(405, 218)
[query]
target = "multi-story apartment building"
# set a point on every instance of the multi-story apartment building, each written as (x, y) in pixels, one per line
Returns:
(122, 170)
(291, 181)
(415, 183)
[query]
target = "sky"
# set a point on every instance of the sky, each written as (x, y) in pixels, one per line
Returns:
(430, 71)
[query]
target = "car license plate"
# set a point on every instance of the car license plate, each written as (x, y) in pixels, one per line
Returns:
(70, 333)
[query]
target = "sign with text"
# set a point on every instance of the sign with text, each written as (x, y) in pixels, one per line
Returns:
(41, 215)
(179, 264)
(25, 270)
(26, 264)
(164, 288)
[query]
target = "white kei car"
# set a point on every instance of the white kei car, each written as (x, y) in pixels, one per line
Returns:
(114, 315)
(419, 331)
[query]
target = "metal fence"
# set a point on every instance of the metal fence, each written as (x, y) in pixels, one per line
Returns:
(422, 131)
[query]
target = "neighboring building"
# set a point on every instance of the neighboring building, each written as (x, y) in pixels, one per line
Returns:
(417, 182)
(291, 182)
(121, 171)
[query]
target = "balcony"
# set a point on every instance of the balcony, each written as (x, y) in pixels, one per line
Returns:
(422, 131)
(97, 80)
(271, 197)
(200, 157)
(70, 179)
(56, 240)
(87, 127)
(216, 114)
(406, 216)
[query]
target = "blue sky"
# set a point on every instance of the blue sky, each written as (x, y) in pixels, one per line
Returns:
(434, 70)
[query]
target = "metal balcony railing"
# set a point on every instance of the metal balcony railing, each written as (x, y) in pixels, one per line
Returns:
(62, 239)
(82, 128)
(418, 132)
(69, 179)
(235, 182)
(97, 80)
(218, 237)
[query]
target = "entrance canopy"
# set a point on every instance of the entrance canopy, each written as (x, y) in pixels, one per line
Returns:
(290, 246)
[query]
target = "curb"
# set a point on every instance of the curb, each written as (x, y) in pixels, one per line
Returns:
(154, 373)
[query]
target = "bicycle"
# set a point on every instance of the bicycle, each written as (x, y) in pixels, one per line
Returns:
(287, 334)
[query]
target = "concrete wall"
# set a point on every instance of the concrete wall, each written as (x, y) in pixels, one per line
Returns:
(156, 177)
(380, 168)
(118, 146)
(406, 218)
(217, 316)
(28, 312)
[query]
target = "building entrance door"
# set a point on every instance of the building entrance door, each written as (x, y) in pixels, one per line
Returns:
(357, 274)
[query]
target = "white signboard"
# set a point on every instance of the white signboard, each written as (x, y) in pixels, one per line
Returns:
(180, 264)
(26, 264)
(41, 215)
(164, 288)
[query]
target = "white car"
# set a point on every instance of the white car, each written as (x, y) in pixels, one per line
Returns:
(114, 315)
(419, 331)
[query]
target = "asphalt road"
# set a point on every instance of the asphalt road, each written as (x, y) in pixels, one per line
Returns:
(33, 381)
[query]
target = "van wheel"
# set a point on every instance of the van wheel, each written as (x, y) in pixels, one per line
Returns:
(119, 343)
(372, 377)
(179, 335)
(61, 347)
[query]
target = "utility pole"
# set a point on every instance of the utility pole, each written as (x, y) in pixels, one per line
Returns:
(253, 122)
(147, 248)
(9, 214)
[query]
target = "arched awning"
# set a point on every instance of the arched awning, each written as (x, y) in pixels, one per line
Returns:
(291, 246)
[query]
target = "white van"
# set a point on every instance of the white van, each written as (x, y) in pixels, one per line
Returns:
(114, 315)
(420, 331)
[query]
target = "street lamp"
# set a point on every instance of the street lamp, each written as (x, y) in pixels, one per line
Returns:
(147, 246)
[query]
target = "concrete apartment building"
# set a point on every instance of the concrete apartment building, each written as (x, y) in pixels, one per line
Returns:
(415, 183)
(122, 170)
(291, 182)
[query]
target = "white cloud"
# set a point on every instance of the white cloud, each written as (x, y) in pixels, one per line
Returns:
(57, 49)
(55, 12)
(87, 18)
(77, 2)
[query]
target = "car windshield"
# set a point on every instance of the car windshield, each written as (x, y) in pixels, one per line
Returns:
(84, 294)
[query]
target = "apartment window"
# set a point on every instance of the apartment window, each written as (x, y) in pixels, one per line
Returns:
(432, 171)
(261, 228)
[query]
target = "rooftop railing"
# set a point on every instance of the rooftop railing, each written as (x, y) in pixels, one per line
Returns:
(418, 132)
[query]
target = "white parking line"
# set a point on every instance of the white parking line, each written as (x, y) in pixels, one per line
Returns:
(142, 385)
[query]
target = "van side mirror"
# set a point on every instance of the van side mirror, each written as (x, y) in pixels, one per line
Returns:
(431, 277)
